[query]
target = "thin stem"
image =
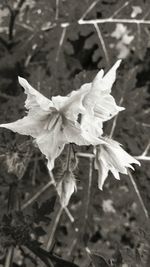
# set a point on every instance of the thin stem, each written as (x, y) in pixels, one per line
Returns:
(68, 158)
(102, 43)
(113, 20)
(119, 9)
(57, 10)
(89, 9)
(138, 195)
(89, 188)
(9, 257)
(145, 158)
(62, 38)
(85, 155)
(86, 208)
(53, 230)
(38, 194)
(115, 121)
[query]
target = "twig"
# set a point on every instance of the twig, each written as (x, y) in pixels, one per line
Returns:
(34, 171)
(86, 208)
(89, 189)
(102, 43)
(113, 20)
(145, 158)
(9, 257)
(146, 150)
(38, 194)
(53, 230)
(89, 9)
(119, 9)
(57, 10)
(138, 195)
(61, 42)
(85, 155)
(115, 121)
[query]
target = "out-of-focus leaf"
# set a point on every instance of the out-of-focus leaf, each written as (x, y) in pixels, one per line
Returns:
(98, 260)
(41, 212)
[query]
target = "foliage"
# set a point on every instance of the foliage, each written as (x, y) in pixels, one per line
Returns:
(52, 44)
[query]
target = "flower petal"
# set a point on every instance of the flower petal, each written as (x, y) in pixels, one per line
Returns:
(105, 83)
(26, 126)
(51, 142)
(66, 187)
(106, 108)
(111, 157)
(70, 106)
(102, 169)
(98, 99)
(34, 98)
(73, 134)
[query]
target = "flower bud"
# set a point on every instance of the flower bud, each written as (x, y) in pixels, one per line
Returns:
(66, 187)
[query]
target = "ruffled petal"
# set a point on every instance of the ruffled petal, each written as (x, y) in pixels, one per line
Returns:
(34, 98)
(92, 125)
(111, 157)
(98, 99)
(72, 105)
(118, 156)
(105, 83)
(106, 108)
(26, 126)
(74, 134)
(51, 142)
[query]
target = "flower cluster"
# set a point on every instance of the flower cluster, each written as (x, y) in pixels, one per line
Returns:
(76, 118)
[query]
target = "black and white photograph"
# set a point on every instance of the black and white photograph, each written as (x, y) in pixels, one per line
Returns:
(74, 133)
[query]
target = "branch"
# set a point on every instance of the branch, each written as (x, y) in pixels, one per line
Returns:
(138, 195)
(89, 9)
(102, 43)
(113, 20)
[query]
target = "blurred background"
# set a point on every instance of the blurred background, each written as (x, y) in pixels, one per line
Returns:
(57, 46)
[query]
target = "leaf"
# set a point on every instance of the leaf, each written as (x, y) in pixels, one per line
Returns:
(117, 259)
(39, 231)
(98, 261)
(46, 208)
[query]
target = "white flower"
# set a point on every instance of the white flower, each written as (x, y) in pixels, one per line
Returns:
(111, 157)
(54, 123)
(99, 104)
